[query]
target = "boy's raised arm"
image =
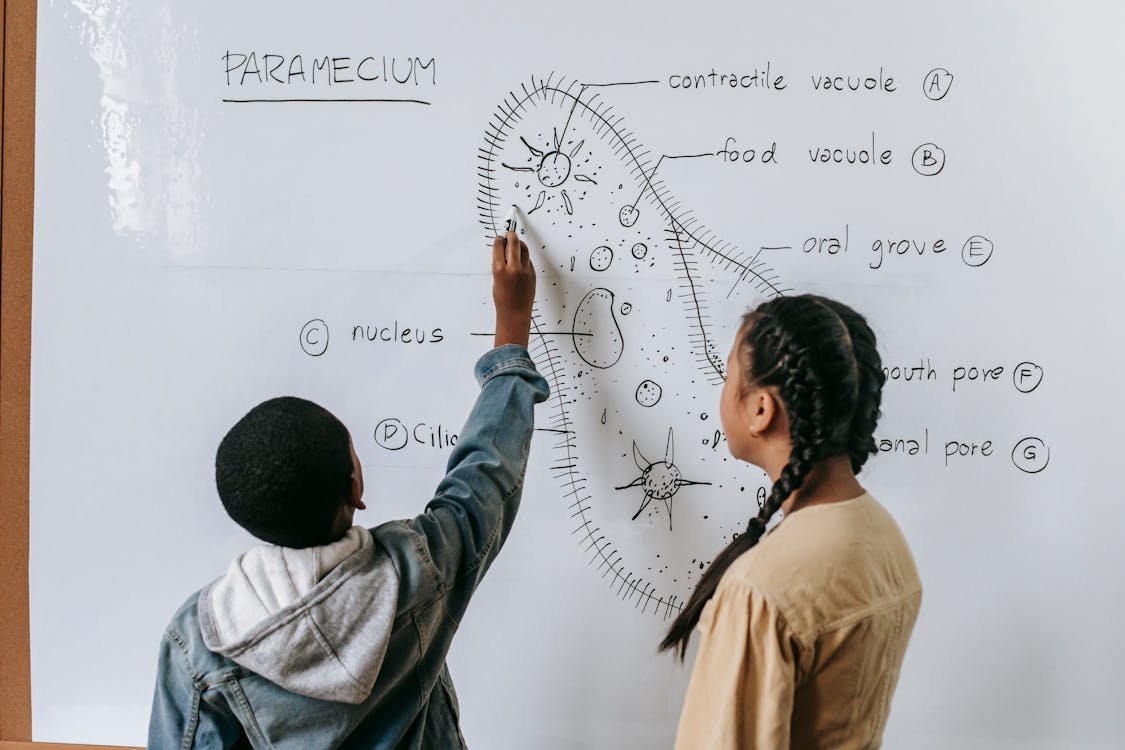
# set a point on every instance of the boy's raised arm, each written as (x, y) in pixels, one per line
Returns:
(467, 521)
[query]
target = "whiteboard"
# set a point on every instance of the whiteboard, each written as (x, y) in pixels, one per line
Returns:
(955, 172)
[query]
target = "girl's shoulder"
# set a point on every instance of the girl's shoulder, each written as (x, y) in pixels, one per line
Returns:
(835, 557)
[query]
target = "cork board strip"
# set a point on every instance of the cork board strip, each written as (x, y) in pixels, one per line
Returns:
(17, 172)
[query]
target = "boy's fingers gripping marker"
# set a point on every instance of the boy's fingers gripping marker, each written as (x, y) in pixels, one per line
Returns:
(498, 251)
(513, 243)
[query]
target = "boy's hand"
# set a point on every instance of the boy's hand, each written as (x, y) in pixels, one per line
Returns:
(513, 290)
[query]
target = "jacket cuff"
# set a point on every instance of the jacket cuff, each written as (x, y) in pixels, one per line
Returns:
(509, 359)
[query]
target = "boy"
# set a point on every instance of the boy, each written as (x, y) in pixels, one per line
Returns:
(333, 635)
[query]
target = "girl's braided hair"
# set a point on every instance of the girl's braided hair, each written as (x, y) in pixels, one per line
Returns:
(820, 355)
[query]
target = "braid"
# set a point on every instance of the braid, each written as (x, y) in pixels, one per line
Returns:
(869, 366)
(803, 394)
(820, 355)
(861, 439)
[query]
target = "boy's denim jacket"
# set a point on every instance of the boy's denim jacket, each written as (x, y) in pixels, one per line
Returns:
(397, 691)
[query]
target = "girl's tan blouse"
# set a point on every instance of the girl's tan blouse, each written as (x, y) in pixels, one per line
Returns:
(803, 641)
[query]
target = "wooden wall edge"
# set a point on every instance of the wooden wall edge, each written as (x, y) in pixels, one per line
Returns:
(5, 745)
(17, 165)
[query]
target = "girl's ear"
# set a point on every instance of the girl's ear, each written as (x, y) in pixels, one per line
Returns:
(761, 412)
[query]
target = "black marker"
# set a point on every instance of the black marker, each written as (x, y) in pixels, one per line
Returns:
(510, 224)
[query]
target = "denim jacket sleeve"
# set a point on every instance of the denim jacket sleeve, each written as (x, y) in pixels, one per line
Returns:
(472, 511)
(182, 716)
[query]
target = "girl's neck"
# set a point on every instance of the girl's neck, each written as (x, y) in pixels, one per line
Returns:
(830, 481)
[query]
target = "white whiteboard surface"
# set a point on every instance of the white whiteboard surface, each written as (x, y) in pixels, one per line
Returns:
(186, 245)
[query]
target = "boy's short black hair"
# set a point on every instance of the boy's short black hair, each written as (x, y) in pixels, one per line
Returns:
(284, 470)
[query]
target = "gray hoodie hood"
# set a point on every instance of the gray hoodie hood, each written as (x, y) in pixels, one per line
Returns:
(315, 621)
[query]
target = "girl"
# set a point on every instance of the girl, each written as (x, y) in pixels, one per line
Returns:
(803, 631)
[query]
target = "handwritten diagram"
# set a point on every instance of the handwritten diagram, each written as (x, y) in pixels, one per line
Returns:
(631, 328)
(553, 168)
(660, 480)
